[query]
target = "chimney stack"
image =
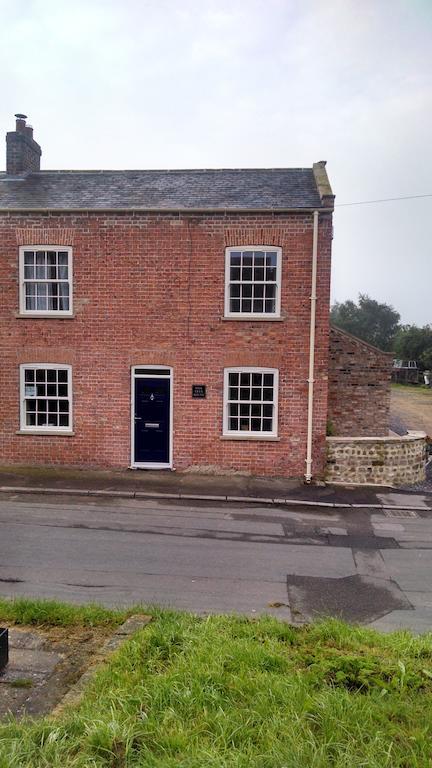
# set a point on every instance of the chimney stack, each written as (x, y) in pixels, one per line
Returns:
(23, 153)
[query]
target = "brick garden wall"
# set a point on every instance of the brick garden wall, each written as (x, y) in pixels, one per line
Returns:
(359, 386)
(149, 289)
(377, 460)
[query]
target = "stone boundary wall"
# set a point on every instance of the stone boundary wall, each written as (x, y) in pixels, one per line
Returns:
(377, 460)
(359, 386)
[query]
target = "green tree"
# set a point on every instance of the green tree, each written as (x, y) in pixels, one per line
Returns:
(369, 320)
(414, 343)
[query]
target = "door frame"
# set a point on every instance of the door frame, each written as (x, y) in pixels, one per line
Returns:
(170, 376)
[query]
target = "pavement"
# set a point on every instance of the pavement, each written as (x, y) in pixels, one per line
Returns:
(364, 561)
(186, 485)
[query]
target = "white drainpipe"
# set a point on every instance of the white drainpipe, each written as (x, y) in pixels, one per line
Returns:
(311, 380)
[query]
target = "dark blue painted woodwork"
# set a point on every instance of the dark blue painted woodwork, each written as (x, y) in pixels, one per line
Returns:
(152, 421)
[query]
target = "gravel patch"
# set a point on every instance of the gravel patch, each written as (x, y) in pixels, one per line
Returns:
(425, 486)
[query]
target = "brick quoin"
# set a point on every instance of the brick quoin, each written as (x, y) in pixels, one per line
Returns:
(148, 288)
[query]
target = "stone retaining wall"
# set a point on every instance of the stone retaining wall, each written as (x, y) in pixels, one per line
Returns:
(377, 460)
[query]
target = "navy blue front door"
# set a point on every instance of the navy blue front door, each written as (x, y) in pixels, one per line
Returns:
(152, 421)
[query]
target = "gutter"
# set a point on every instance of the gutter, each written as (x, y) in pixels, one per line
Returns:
(311, 380)
(178, 211)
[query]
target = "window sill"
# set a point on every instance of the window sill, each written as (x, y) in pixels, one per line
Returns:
(48, 432)
(42, 316)
(254, 319)
(266, 438)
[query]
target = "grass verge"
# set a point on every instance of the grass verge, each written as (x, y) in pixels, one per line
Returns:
(56, 614)
(228, 691)
(421, 389)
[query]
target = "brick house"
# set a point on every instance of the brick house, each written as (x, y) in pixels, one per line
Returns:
(164, 319)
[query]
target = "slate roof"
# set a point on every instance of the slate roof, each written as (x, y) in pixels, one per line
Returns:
(216, 190)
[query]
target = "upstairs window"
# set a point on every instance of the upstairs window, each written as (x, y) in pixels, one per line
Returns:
(45, 280)
(46, 398)
(253, 282)
(250, 402)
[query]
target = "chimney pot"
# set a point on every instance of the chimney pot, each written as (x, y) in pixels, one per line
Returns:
(20, 125)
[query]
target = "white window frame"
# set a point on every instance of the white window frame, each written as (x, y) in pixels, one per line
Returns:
(253, 315)
(48, 429)
(22, 282)
(240, 434)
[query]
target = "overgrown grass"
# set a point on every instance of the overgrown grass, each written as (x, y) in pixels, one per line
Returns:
(53, 613)
(232, 692)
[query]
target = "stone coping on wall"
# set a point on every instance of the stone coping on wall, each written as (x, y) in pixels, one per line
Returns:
(410, 436)
(386, 460)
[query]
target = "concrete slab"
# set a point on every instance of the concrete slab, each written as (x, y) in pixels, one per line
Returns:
(412, 569)
(35, 680)
(424, 536)
(388, 527)
(418, 621)
(19, 638)
(382, 534)
(28, 671)
(16, 677)
(420, 599)
(35, 660)
(395, 499)
(370, 563)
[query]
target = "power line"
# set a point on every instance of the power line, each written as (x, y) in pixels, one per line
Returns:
(383, 200)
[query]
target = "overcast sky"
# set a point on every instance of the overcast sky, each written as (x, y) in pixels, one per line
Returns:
(246, 83)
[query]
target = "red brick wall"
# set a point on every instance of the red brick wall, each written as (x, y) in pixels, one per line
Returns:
(149, 289)
(359, 387)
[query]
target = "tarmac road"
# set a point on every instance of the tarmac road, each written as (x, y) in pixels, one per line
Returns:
(296, 563)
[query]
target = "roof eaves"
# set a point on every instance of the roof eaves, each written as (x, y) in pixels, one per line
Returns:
(98, 171)
(178, 210)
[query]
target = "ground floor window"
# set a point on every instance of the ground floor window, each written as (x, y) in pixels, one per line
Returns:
(250, 402)
(46, 397)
